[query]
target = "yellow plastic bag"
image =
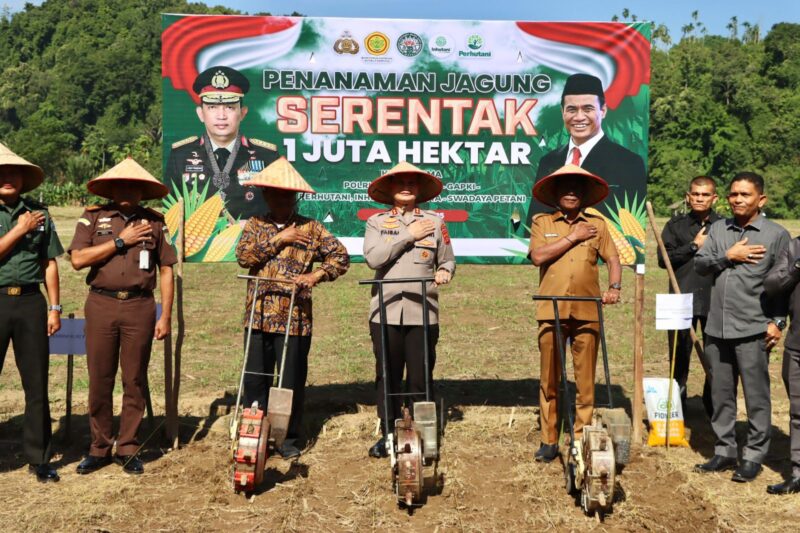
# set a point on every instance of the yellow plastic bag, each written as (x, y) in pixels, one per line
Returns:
(656, 391)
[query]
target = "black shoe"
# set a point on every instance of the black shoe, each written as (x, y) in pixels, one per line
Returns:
(378, 449)
(288, 450)
(91, 463)
(717, 463)
(790, 486)
(131, 464)
(44, 473)
(546, 453)
(747, 471)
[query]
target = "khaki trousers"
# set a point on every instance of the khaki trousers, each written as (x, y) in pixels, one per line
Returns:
(583, 337)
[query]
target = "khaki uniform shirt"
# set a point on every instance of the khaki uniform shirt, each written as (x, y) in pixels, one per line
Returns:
(391, 251)
(121, 272)
(575, 273)
(23, 265)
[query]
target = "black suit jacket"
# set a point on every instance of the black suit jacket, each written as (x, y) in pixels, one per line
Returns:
(622, 169)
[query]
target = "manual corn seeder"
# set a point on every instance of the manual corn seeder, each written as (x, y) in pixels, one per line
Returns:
(253, 431)
(414, 441)
(591, 463)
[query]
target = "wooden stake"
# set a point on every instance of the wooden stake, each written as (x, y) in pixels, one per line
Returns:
(638, 358)
(175, 378)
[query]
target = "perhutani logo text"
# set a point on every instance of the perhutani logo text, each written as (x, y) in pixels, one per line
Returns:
(473, 53)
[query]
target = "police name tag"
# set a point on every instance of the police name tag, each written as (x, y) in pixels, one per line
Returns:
(144, 260)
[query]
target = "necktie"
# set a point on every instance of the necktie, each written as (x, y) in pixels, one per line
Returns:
(222, 156)
(576, 157)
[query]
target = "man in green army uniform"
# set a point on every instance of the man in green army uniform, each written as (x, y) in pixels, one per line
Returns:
(222, 159)
(28, 250)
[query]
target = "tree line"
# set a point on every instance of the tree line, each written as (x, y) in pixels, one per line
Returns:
(80, 88)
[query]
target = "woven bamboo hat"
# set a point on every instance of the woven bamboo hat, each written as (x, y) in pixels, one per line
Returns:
(380, 189)
(280, 174)
(32, 175)
(545, 189)
(130, 171)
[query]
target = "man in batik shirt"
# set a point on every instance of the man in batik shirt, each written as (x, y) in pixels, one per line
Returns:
(284, 244)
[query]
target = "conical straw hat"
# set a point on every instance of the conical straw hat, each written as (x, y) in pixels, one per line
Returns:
(32, 175)
(127, 170)
(429, 185)
(544, 190)
(280, 174)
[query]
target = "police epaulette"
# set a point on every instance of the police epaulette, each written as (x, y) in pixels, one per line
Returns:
(93, 208)
(264, 144)
(187, 140)
(155, 212)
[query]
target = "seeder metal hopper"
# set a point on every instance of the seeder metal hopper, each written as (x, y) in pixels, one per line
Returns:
(591, 463)
(413, 441)
(253, 431)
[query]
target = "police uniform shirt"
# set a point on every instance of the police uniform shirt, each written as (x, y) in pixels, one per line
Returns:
(575, 273)
(23, 265)
(189, 167)
(121, 272)
(390, 249)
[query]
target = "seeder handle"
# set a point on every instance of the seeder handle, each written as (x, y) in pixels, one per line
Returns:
(235, 419)
(385, 349)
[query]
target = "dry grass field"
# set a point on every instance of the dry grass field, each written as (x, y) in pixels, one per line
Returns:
(486, 370)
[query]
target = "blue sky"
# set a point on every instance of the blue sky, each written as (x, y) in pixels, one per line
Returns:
(715, 14)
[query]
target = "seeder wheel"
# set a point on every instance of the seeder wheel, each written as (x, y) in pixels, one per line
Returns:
(408, 474)
(250, 451)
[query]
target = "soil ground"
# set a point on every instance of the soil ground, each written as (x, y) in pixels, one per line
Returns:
(486, 371)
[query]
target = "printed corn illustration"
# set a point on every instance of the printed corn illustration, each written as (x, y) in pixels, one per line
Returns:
(630, 225)
(627, 255)
(223, 243)
(172, 218)
(200, 225)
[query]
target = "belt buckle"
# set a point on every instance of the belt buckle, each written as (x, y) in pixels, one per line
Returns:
(123, 295)
(14, 291)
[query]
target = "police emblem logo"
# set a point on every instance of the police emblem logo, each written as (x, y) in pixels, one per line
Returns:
(409, 44)
(377, 43)
(346, 44)
(249, 196)
(220, 80)
(425, 254)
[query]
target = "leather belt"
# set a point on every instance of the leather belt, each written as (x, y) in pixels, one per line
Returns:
(123, 295)
(19, 290)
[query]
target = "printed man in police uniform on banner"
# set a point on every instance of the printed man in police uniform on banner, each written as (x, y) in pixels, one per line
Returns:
(222, 159)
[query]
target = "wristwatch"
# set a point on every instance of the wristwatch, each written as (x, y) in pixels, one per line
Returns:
(54, 308)
(617, 286)
(780, 324)
(120, 244)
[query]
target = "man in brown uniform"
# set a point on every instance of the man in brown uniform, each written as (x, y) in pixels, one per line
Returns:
(124, 245)
(405, 242)
(566, 244)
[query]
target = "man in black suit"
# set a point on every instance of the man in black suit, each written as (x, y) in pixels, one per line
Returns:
(583, 108)
(222, 159)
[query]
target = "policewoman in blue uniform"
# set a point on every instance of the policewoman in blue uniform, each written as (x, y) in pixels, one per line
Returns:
(28, 250)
